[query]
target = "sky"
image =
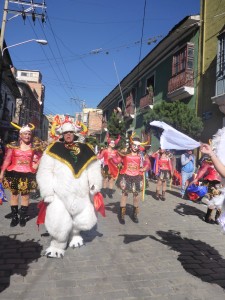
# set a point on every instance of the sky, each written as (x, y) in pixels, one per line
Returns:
(92, 44)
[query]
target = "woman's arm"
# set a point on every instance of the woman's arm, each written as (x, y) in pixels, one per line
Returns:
(206, 149)
(6, 163)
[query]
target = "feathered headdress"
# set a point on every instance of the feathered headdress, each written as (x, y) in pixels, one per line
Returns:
(64, 124)
(218, 144)
(56, 123)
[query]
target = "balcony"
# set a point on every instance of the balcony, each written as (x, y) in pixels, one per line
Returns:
(220, 101)
(146, 101)
(181, 86)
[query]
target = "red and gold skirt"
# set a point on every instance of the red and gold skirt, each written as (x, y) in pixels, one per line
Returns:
(18, 182)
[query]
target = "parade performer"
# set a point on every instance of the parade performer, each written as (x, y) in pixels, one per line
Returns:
(216, 152)
(109, 170)
(210, 178)
(69, 172)
(131, 178)
(18, 172)
(163, 170)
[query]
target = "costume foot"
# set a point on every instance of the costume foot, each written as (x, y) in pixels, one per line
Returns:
(76, 242)
(54, 252)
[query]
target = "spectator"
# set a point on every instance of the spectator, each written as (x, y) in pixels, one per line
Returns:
(187, 170)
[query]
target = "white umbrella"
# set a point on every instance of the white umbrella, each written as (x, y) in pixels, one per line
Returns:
(174, 139)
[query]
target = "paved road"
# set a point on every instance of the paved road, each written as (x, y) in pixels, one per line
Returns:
(170, 254)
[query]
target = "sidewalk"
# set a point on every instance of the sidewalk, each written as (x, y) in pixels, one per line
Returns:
(170, 254)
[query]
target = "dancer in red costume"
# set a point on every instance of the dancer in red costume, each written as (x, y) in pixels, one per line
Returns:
(110, 169)
(18, 173)
(211, 178)
(131, 179)
(163, 171)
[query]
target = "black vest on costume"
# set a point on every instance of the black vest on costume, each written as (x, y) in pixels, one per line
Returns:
(77, 156)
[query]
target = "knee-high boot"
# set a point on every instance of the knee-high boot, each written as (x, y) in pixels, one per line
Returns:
(110, 193)
(121, 215)
(15, 219)
(135, 213)
(218, 213)
(208, 216)
(23, 215)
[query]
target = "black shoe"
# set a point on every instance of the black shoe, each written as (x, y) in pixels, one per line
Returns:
(135, 219)
(14, 222)
(122, 221)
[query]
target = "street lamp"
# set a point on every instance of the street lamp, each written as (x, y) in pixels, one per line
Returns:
(42, 42)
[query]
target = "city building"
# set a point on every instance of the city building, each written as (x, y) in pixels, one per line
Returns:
(211, 75)
(34, 108)
(167, 73)
(9, 96)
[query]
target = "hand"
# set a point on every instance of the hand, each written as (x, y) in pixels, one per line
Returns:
(206, 149)
(192, 182)
(94, 189)
(49, 199)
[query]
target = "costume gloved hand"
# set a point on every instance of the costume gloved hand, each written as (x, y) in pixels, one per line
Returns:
(49, 199)
(94, 189)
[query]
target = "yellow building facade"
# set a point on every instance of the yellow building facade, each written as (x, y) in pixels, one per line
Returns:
(210, 103)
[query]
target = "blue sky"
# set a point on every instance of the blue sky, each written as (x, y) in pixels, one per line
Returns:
(91, 44)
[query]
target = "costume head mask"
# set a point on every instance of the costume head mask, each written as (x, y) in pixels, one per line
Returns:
(26, 128)
(78, 128)
(67, 127)
(111, 142)
(135, 142)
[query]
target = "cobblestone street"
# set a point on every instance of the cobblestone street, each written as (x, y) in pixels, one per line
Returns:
(170, 254)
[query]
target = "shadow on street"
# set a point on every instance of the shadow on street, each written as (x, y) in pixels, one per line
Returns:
(196, 257)
(129, 238)
(186, 210)
(16, 256)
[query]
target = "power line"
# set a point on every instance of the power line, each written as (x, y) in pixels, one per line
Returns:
(61, 57)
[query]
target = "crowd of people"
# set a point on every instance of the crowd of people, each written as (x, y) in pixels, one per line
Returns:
(71, 178)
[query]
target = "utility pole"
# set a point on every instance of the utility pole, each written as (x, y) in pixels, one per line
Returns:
(31, 11)
(24, 13)
(81, 104)
(3, 24)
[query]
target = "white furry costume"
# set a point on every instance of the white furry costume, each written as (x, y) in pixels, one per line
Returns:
(69, 209)
(218, 202)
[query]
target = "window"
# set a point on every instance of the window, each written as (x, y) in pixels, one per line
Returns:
(150, 83)
(183, 59)
(120, 104)
(221, 55)
(24, 74)
(106, 115)
(220, 68)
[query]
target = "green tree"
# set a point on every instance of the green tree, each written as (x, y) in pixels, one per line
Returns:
(178, 115)
(116, 126)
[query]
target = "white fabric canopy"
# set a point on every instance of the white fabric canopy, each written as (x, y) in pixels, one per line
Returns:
(174, 139)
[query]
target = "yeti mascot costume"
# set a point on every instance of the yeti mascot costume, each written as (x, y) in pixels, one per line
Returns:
(68, 174)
